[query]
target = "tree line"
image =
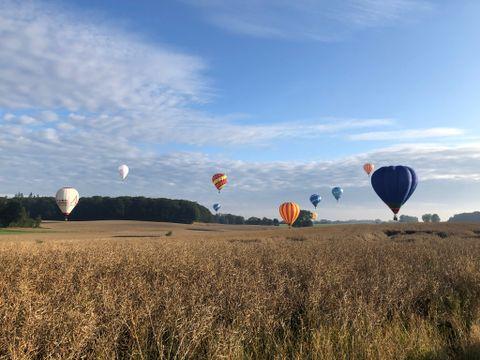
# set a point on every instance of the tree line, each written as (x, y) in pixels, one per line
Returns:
(466, 217)
(118, 208)
(26, 208)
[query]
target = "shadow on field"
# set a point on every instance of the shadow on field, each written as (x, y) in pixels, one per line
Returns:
(395, 233)
(471, 352)
(244, 241)
(207, 230)
(138, 236)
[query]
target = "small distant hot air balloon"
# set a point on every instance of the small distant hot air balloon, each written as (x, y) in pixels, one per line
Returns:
(289, 212)
(314, 216)
(394, 185)
(66, 199)
(216, 207)
(337, 192)
(123, 171)
(315, 199)
(219, 180)
(368, 167)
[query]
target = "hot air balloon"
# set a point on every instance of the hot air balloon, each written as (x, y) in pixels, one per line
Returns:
(337, 192)
(216, 207)
(219, 180)
(368, 167)
(66, 199)
(289, 212)
(123, 171)
(314, 216)
(315, 199)
(394, 185)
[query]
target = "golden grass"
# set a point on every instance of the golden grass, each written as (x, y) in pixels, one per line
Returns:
(335, 293)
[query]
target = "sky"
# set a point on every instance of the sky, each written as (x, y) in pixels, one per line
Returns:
(287, 98)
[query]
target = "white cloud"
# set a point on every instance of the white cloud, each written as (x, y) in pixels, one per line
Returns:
(205, 131)
(27, 120)
(51, 135)
(51, 60)
(65, 126)
(49, 116)
(367, 13)
(76, 117)
(8, 117)
(108, 81)
(411, 134)
(306, 19)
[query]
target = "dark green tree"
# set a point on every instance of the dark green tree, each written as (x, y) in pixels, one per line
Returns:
(427, 218)
(304, 219)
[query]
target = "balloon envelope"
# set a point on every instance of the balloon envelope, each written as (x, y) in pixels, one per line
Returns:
(289, 212)
(314, 216)
(368, 167)
(315, 199)
(123, 171)
(219, 180)
(216, 207)
(337, 192)
(66, 199)
(394, 185)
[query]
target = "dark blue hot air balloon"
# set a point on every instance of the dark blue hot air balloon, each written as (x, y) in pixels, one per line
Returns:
(315, 199)
(337, 192)
(216, 207)
(394, 185)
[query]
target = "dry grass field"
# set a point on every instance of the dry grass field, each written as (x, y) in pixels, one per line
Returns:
(127, 290)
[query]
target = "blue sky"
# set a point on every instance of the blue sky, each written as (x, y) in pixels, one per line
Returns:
(289, 98)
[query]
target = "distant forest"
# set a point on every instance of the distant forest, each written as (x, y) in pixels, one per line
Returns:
(25, 208)
(466, 217)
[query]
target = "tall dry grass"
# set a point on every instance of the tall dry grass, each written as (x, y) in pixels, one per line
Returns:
(347, 295)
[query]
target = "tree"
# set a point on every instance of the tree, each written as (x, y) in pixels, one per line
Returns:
(435, 218)
(253, 221)
(466, 217)
(304, 219)
(408, 219)
(427, 218)
(12, 213)
(276, 222)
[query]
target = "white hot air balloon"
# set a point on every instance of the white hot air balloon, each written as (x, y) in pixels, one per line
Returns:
(123, 171)
(67, 198)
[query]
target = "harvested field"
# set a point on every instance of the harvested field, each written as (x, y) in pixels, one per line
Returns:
(124, 289)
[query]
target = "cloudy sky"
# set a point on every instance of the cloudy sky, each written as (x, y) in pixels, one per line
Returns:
(287, 97)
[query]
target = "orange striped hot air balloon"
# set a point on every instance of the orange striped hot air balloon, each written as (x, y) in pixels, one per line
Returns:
(219, 180)
(289, 212)
(368, 167)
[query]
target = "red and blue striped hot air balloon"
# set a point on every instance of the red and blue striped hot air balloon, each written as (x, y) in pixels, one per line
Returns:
(394, 185)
